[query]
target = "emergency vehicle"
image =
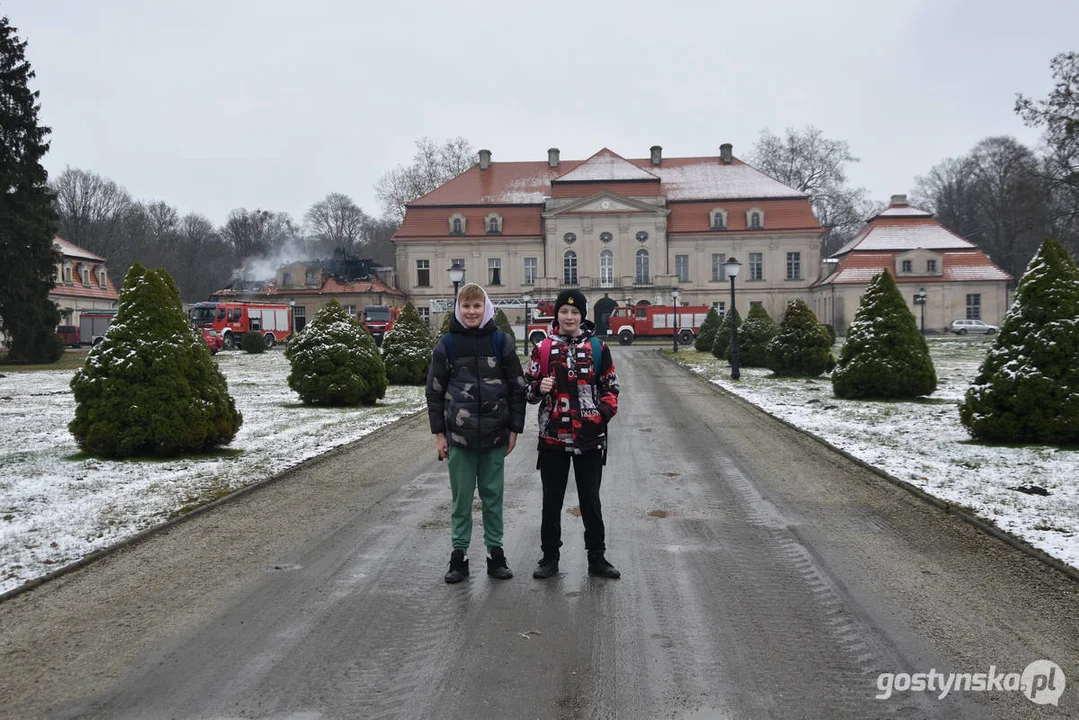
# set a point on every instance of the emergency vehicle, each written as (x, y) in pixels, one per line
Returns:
(656, 321)
(234, 319)
(379, 320)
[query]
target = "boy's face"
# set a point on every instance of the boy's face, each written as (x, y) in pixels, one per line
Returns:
(471, 312)
(569, 320)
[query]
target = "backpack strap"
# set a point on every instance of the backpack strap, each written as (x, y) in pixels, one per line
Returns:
(451, 349)
(597, 357)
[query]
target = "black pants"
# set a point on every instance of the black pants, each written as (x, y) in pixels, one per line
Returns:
(554, 473)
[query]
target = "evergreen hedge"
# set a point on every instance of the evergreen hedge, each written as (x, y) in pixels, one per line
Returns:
(753, 337)
(503, 324)
(253, 343)
(406, 350)
(335, 361)
(801, 348)
(1027, 389)
(721, 346)
(150, 387)
(885, 355)
(707, 336)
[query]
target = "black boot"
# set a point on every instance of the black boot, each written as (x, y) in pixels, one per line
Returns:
(598, 565)
(548, 566)
(496, 565)
(458, 567)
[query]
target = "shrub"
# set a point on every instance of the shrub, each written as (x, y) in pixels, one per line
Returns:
(1027, 389)
(885, 355)
(445, 327)
(503, 324)
(721, 346)
(707, 336)
(407, 349)
(335, 361)
(801, 347)
(753, 337)
(150, 387)
(253, 343)
(830, 329)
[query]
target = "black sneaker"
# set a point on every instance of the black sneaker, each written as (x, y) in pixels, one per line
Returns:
(547, 567)
(598, 565)
(496, 565)
(458, 567)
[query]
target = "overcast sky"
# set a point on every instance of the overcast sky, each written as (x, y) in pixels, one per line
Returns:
(211, 105)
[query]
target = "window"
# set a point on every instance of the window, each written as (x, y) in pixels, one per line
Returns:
(605, 237)
(425, 313)
(458, 228)
(569, 268)
(309, 276)
(102, 280)
(570, 238)
(606, 269)
(494, 271)
(721, 307)
(681, 267)
(642, 236)
(718, 220)
(755, 221)
(794, 266)
(530, 271)
(756, 266)
(84, 273)
(494, 224)
(643, 276)
(423, 273)
(908, 266)
(67, 274)
(974, 306)
(718, 273)
(299, 317)
(350, 310)
(930, 266)
(286, 279)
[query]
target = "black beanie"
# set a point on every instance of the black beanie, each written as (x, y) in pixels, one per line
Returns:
(575, 298)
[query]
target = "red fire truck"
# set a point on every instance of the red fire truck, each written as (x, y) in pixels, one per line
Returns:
(234, 319)
(379, 320)
(656, 321)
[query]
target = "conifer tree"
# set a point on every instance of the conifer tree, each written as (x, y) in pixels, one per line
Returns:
(28, 221)
(503, 324)
(445, 327)
(802, 347)
(707, 335)
(885, 355)
(721, 346)
(150, 387)
(754, 335)
(335, 361)
(1027, 389)
(407, 349)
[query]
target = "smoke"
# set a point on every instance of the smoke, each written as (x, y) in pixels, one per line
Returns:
(263, 268)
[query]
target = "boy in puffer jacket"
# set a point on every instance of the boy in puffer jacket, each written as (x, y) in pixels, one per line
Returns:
(476, 407)
(571, 374)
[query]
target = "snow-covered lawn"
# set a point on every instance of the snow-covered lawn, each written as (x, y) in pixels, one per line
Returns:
(923, 443)
(58, 505)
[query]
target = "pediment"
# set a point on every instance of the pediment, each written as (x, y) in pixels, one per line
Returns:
(607, 202)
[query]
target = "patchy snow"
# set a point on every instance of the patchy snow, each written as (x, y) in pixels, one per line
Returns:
(57, 505)
(924, 444)
(606, 165)
(917, 235)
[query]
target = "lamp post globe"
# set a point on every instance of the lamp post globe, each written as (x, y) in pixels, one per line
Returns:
(731, 267)
(675, 294)
(457, 276)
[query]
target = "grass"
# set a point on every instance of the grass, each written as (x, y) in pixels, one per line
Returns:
(71, 360)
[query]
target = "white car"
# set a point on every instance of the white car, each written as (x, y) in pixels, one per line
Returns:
(962, 327)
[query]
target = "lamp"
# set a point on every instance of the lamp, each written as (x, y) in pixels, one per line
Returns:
(674, 298)
(527, 298)
(457, 276)
(919, 299)
(731, 267)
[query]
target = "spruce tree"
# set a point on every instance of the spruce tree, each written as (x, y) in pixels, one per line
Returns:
(503, 324)
(885, 355)
(1027, 389)
(150, 387)
(707, 335)
(335, 361)
(721, 346)
(445, 327)
(407, 349)
(802, 347)
(754, 335)
(28, 221)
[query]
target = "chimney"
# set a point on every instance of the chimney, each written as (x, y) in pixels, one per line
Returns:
(552, 157)
(725, 153)
(899, 200)
(657, 154)
(485, 159)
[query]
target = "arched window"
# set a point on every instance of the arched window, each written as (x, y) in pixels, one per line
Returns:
(606, 269)
(569, 268)
(755, 218)
(494, 224)
(643, 277)
(457, 226)
(719, 219)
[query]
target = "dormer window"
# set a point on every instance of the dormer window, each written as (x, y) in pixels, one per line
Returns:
(84, 274)
(755, 219)
(908, 266)
(493, 222)
(102, 279)
(717, 219)
(930, 266)
(458, 224)
(309, 276)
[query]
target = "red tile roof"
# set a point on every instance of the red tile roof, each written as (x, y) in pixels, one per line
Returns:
(858, 268)
(330, 287)
(76, 254)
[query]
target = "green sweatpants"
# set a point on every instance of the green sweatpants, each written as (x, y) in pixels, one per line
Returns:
(470, 469)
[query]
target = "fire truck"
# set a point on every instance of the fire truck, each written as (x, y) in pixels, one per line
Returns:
(379, 320)
(235, 319)
(656, 321)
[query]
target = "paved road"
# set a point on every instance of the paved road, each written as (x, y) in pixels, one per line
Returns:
(763, 577)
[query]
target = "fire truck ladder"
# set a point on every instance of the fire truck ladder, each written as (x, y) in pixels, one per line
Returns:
(444, 305)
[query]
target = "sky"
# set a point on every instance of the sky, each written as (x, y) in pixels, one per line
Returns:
(57, 505)
(212, 105)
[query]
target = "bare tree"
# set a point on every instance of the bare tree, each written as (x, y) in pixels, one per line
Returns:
(258, 233)
(91, 209)
(379, 246)
(813, 164)
(203, 260)
(431, 166)
(336, 222)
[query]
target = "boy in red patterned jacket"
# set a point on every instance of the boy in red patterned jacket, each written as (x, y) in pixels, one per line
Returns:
(578, 396)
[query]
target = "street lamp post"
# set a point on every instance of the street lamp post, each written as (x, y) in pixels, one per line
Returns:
(919, 299)
(731, 267)
(526, 297)
(674, 298)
